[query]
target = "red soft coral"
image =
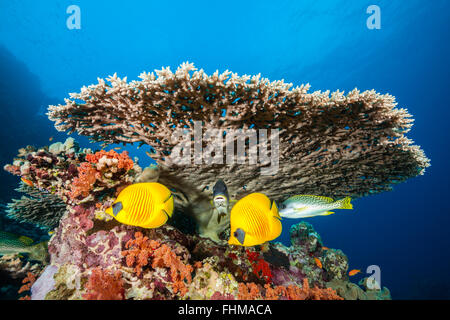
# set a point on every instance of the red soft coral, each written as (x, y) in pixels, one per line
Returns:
(82, 185)
(124, 161)
(104, 285)
(138, 252)
(141, 249)
(164, 257)
(260, 267)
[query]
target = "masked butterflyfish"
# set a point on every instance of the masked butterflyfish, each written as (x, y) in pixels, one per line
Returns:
(254, 220)
(146, 205)
(306, 206)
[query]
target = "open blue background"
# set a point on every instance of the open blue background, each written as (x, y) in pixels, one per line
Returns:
(325, 43)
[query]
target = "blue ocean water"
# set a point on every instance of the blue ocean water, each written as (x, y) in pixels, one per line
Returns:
(325, 43)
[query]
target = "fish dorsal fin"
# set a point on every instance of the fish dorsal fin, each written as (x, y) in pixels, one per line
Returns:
(260, 200)
(306, 196)
(326, 199)
(25, 240)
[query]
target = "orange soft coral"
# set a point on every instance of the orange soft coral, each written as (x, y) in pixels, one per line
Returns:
(141, 249)
(164, 257)
(82, 185)
(104, 285)
(251, 291)
(124, 160)
(28, 281)
(138, 252)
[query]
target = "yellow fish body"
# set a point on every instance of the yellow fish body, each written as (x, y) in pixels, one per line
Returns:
(146, 205)
(254, 220)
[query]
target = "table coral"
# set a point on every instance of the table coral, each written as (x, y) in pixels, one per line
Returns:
(331, 144)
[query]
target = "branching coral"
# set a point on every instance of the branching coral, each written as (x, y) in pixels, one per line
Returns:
(330, 144)
(41, 208)
(104, 285)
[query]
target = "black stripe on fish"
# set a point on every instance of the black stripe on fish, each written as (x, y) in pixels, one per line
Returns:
(117, 207)
(240, 235)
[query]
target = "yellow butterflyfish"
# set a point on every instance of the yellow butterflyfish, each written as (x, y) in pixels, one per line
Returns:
(146, 205)
(254, 220)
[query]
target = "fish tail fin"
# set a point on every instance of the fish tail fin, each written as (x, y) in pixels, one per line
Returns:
(345, 203)
(39, 252)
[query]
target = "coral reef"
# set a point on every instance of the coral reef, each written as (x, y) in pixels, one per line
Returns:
(330, 144)
(94, 257)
